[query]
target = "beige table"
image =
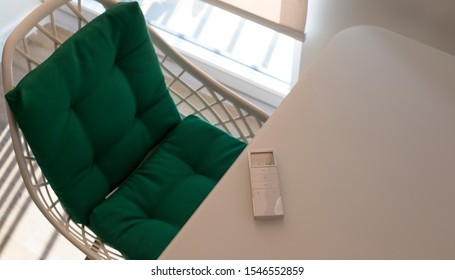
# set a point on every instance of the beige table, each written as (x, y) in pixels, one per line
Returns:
(366, 152)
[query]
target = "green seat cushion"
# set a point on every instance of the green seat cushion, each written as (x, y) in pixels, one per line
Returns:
(94, 108)
(150, 207)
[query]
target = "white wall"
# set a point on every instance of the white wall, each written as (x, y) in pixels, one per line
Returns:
(11, 12)
(429, 21)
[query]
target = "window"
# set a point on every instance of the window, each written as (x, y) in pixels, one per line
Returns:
(249, 58)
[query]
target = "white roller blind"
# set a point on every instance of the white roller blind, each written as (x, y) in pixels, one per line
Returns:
(285, 16)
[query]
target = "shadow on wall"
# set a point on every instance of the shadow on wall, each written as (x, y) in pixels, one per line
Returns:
(15, 202)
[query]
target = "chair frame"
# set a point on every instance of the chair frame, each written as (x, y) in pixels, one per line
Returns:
(193, 91)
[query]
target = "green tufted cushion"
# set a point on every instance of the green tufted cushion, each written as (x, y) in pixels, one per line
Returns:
(94, 109)
(150, 207)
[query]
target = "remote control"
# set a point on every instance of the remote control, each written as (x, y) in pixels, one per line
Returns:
(265, 187)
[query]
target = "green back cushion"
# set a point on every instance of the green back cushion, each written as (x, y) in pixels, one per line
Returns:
(94, 109)
(150, 207)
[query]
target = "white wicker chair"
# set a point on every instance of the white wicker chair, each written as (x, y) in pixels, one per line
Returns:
(193, 91)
